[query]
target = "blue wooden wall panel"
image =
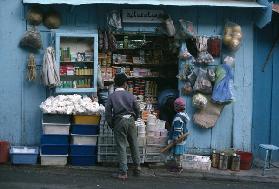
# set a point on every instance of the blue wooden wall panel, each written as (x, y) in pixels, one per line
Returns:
(266, 91)
(234, 122)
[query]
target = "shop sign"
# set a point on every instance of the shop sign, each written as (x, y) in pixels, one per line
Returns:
(141, 16)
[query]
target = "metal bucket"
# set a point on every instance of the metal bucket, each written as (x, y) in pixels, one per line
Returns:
(235, 166)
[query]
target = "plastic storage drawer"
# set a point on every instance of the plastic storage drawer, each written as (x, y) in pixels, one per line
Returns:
(54, 149)
(81, 150)
(56, 118)
(60, 160)
(87, 119)
(84, 139)
(56, 129)
(55, 139)
(24, 155)
(85, 129)
(83, 160)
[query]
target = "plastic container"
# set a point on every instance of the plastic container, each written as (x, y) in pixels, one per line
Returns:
(54, 149)
(56, 129)
(246, 159)
(83, 160)
(87, 119)
(56, 118)
(55, 139)
(80, 150)
(24, 155)
(84, 139)
(4, 151)
(85, 129)
(59, 160)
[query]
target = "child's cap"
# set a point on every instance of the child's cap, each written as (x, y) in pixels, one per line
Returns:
(179, 104)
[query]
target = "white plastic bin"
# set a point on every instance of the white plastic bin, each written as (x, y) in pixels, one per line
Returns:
(84, 139)
(56, 129)
(58, 160)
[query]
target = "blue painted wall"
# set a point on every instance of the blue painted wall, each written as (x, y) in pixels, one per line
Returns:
(266, 90)
(20, 115)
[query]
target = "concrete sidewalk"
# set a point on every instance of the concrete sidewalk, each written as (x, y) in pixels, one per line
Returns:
(252, 175)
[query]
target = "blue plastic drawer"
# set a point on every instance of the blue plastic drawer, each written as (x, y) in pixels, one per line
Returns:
(83, 160)
(56, 118)
(55, 139)
(81, 150)
(24, 155)
(54, 149)
(85, 129)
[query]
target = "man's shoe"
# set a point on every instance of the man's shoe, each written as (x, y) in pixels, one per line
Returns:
(137, 171)
(120, 176)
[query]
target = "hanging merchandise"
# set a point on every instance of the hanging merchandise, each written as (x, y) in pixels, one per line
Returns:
(100, 80)
(202, 83)
(114, 20)
(203, 56)
(52, 19)
(168, 25)
(186, 29)
(208, 116)
(31, 39)
(100, 40)
(106, 42)
(191, 46)
(184, 54)
(34, 16)
(214, 44)
(186, 71)
(31, 68)
(187, 89)
(232, 36)
(223, 88)
(50, 73)
(111, 41)
(211, 74)
(199, 101)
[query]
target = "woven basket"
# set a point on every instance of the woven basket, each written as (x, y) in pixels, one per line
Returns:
(52, 20)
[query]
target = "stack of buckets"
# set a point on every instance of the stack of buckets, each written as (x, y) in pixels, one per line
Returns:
(55, 139)
(84, 135)
(4, 151)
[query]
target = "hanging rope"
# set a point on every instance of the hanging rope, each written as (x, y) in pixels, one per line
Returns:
(31, 68)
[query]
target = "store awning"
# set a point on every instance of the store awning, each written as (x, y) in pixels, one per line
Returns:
(218, 3)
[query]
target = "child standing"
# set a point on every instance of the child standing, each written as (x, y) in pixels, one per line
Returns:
(179, 127)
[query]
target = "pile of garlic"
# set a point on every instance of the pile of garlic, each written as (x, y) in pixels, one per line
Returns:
(71, 104)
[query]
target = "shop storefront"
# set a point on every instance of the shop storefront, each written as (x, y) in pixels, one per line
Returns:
(104, 39)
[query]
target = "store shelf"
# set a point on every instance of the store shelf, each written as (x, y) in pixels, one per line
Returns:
(76, 90)
(76, 62)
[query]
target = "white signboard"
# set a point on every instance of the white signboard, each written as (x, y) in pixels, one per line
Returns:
(141, 16)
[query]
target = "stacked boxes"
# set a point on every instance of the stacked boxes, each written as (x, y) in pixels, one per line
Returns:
(55, 139)
(84, 136)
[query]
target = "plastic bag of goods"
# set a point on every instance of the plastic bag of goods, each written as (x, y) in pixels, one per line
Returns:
(199, 101)
(232, 36)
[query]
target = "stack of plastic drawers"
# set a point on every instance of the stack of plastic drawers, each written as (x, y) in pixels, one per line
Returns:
(84, 136)
(107, 148)
(55, 139)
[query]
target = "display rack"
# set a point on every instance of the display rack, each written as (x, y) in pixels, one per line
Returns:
(77, 59)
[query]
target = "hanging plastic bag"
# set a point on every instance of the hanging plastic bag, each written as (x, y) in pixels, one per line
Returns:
(223, 88)
(203, 56)
(184, 54)
(211, 74)
(187, 89)
(31, 39)
(112, 41)
(100, 80)
(202, 83)
(169, 26)
(100, 40)
(199, 101)
(191, 46)
(186, 28)
(232, 36)
(214, 44)
(114, 20)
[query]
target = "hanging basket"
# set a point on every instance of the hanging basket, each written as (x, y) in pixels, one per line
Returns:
(34, 16)
(52, 20)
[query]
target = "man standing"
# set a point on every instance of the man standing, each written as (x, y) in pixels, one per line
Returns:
(121, 112)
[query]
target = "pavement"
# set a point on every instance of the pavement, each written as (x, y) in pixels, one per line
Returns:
(159, 171)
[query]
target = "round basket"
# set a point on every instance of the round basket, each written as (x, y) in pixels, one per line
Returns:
(52, 20)
(34, 16)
